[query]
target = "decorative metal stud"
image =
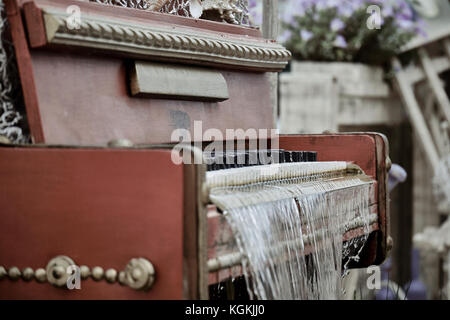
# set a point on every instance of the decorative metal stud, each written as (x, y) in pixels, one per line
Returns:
(97, 273)
(120, 143)
(27, 274)
(388, 164)
(85, 272)
(57, 270)
(111, 275)
(140, 274)
(40, 275)
(4, 140)
(3, 272)
(14, 273)
(122, 278)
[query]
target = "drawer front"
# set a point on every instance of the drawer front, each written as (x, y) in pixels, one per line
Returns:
(100, 208)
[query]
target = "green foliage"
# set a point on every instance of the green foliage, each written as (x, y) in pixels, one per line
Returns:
(358, 42)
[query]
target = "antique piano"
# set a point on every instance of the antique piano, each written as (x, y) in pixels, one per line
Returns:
(137, 224)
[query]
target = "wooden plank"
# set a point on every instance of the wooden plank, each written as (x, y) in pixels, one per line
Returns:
(383, 164)
(357, 148)
(190, 234)
(354, 79)
(415, 74)
(434, 123)
(342, 70)
(370, 111)
(34, 24)
(309, 103)
(435, 83)
(270, 19)
(415, 114)
(447, 47)
(420, 41)
(177, 82)
(25, 67)
(270, 31)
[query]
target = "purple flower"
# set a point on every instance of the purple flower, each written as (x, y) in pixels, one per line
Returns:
(337, 24)
(255, 10)
(292, 11)
(340, 42)
(285, 36)
(252, 4)
(306, 35)
(320, 5)
(334, 3)
(345, 10)
(420, 29)
(405, 9)
(404, 23)
(388, 10)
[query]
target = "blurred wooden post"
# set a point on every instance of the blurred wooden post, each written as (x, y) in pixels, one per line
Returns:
(270, 31)
(415, 115)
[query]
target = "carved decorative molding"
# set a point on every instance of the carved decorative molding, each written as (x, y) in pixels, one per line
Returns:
(155, 41)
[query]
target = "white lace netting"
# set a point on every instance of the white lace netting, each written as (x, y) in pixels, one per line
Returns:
(176, 7)
(12, 120)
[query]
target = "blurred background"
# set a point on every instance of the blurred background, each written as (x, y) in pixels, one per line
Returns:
(379, 66)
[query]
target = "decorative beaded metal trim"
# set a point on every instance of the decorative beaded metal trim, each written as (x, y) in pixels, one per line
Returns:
(139, 273)
(102, 32)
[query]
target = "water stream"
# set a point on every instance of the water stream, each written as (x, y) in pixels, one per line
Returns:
(291, 233)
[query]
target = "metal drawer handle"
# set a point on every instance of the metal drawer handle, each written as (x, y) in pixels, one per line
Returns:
(139, 273)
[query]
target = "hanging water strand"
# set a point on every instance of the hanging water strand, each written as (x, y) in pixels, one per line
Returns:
(12, 121)
(290, 231)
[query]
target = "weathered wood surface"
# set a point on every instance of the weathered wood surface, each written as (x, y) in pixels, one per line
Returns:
(415, 74)
(415, 113)
(270, 29)
(317, 97)
(353, 79)
(435, 83)
(309, 103)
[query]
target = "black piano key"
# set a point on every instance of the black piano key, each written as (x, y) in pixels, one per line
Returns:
(238, 159)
